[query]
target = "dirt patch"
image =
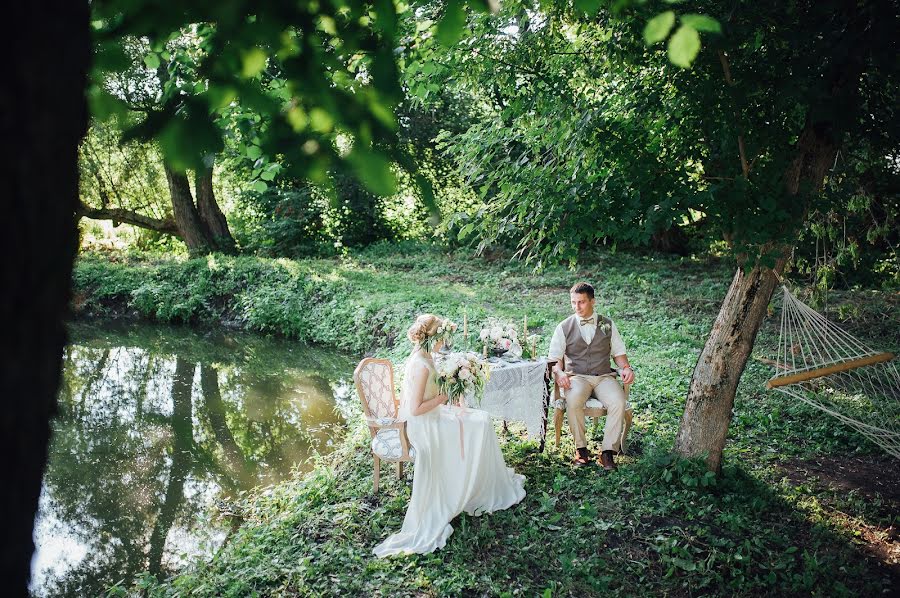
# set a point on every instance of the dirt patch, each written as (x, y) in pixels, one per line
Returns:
(874, 477)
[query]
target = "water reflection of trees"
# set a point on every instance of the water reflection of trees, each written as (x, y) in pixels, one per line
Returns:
(146, 440)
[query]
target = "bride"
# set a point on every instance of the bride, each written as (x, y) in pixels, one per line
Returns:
(458, 464)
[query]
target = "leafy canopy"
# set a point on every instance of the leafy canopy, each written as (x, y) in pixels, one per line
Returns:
(587, 134)
(332, 61)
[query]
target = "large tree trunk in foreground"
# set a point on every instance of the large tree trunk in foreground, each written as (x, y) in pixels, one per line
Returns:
(710, 400)
(193, 230)
(210, 213)
(43, 117)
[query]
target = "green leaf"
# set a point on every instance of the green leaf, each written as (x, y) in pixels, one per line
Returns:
(220, 97)
(701, 23)
(589, 7)
(684, 46)
(110, 56)
(684, 564)
(259, 186)
(658, 27)
(152, 60)
(297, 118)
(253, 62)
(103, 104)
(320, 120)
(427, 193)
(188, 138)
(450, 29)
(385, 75)
(387, 16)
(373, 170)
(382, 111)
(254, 152)
(491, 6)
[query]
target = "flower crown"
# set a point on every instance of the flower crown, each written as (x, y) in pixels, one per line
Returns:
(444, 332)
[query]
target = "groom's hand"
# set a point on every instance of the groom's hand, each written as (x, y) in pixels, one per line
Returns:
(563, 381)
(627, 375)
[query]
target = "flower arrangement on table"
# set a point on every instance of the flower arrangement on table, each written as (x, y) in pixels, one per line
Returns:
(500, 337)
(462, 375)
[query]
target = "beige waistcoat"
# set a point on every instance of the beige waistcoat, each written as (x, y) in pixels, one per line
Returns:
(585, 359)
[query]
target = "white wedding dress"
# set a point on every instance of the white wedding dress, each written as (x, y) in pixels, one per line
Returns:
(457, 468)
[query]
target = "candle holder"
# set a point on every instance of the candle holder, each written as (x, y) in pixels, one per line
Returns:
(466, 330)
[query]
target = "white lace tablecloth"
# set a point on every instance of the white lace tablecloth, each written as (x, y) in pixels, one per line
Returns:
(515, 392)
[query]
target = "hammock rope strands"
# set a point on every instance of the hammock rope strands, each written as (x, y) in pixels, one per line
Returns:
(831, 370)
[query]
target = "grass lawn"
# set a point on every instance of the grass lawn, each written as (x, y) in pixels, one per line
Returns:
(805, 505)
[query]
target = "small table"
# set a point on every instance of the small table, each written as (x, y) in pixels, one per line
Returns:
(520, 391)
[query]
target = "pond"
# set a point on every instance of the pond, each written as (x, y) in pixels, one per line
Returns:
(158, 429)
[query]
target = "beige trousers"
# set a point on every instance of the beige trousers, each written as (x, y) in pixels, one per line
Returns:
(609, 392)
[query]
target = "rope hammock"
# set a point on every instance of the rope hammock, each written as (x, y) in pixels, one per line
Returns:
(824, 366)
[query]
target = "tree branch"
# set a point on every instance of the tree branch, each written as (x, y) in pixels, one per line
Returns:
(118, 215)
(726, 68)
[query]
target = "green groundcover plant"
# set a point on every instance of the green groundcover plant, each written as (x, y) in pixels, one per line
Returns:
(659, 525)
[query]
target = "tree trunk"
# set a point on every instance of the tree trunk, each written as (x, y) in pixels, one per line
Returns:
(671, 240)
(710, 400)
(43, 117)
(194, 232)
(210, 213)
(707, 413)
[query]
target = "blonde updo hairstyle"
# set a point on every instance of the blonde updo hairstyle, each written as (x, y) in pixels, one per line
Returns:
(425, 326)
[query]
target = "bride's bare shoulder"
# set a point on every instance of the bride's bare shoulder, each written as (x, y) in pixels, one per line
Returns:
(416, 366)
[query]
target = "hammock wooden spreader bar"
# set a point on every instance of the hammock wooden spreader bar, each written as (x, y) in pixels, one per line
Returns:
(831, 369)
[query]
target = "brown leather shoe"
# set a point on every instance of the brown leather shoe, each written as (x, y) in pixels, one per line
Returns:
(607, 461)
(582, 457)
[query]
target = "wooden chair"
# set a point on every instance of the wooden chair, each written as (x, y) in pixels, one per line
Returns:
(592, 408)
(374, 380)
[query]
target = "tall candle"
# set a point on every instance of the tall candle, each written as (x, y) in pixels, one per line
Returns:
(466, 325)
(525, 328)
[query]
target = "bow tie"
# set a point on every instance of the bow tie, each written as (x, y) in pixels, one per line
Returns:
(588, 321)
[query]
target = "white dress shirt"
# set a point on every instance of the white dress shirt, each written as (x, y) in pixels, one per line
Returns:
(558, 341)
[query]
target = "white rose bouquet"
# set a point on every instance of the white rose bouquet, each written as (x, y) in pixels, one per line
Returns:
(462, 375)
(500, 337)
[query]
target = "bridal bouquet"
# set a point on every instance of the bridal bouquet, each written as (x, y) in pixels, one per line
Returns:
(500, 337)
(462, 375)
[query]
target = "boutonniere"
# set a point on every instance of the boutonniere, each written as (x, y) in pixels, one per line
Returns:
(605, 327)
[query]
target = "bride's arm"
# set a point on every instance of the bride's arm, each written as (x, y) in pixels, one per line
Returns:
(417, 392)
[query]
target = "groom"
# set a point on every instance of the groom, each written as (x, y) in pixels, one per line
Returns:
(583, 344)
